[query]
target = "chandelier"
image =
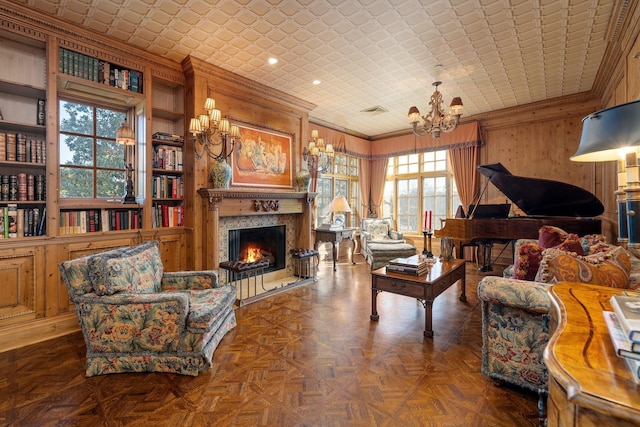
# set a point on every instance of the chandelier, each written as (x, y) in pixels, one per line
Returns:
(318, 155)
(436, 121)
(215, 135)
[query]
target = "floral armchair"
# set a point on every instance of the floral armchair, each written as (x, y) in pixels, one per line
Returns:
(380, 243)
(515, 311)
(137, 318)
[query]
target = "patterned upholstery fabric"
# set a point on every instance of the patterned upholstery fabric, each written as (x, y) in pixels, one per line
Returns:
(174, 329)
(515, 321)
(380, 243)
(135, 270)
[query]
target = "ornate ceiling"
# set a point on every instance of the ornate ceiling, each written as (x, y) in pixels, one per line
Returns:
(371, 54)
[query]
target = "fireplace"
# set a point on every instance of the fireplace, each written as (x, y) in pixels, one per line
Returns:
(259, 244)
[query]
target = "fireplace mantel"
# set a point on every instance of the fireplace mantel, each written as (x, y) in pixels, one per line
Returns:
(219, 203)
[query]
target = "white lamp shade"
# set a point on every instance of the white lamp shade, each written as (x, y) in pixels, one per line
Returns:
(339, 204)
(608, 134)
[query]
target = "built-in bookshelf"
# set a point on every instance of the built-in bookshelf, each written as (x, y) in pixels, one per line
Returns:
(81, 221)
(167, 181)
(86, 67)
(22, 138)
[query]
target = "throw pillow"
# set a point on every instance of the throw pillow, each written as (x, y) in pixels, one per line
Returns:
(136, 269)
(527, 261)
(550, 236)
(380, 231)
(605, 269)
(571, 243)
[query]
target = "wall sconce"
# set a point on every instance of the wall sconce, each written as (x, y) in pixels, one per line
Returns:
(215, 134)
(126, 137)
(318, 155)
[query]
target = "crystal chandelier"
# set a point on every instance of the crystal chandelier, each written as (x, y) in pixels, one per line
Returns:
(215, 134)
(318, 155)
(436, 121)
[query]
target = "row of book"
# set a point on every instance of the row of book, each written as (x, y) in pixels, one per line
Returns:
(167, 157)
(22, 187)
(624, 328)
(17, 147)
(415, 265)
(172, 137)
(167, 187)
(18, 222)
(89, 68)
(94, 220)
(164, 215)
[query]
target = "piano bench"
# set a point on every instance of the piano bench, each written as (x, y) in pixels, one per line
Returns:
(379, 254)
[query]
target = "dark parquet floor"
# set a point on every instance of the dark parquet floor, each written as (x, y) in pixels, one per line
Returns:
(306, 357)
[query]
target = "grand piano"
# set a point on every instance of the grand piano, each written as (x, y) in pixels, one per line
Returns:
(544, 202)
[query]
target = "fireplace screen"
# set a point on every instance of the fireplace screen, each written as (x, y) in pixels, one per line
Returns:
(259, 244)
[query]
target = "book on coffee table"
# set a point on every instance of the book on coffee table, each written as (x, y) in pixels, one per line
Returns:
(412, 265)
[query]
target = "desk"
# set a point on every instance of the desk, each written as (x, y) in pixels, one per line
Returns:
(425, 288)
(335, 237)
(588, 384)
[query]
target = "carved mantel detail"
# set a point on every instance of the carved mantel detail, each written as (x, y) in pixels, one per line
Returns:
(266, 205)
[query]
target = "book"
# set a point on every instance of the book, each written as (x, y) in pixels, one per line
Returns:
(634, 367)
(627, 310)
(11, 221)
(407, 270)
(413, 261)
(622, 345)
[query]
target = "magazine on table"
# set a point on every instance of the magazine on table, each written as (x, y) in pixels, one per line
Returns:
(624, 347)
(627, 309)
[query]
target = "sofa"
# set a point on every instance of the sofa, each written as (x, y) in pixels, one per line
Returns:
(515, 311)
(380, 243)
(135, 317)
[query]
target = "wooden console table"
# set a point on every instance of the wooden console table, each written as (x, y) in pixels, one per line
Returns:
(588, 384)
(335, 237)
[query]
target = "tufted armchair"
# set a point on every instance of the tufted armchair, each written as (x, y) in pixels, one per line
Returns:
(137, 318)
(380, 243)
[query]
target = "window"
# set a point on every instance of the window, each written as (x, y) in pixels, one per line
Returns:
(91, 163)
(341, 180)
(417, 183)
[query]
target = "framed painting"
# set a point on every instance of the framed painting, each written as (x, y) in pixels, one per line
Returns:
(263, 158)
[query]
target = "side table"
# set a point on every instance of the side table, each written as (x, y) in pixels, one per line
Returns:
(588, 383)
(335, 237)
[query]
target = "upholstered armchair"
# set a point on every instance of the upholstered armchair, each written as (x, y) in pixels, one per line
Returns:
(380, 243)
(137, 318)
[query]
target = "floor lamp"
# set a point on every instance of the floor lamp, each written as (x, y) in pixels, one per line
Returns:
(614, 134)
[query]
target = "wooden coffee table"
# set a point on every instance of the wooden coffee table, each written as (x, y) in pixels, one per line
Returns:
(424, 288)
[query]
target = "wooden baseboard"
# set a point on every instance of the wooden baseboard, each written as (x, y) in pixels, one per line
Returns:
(24, 334)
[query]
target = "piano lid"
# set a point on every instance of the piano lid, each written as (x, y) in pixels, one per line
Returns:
(543, 197)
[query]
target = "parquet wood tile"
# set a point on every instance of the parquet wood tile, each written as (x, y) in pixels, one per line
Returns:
(307, 357)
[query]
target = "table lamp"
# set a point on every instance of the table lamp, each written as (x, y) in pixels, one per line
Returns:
(614, 134)
(338, 207)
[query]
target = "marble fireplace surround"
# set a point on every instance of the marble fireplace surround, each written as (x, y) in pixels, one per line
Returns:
(228, 209)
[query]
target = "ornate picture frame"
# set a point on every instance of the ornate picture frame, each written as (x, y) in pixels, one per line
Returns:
(264, 158)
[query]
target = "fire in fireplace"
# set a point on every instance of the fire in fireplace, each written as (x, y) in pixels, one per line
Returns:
(259, 244)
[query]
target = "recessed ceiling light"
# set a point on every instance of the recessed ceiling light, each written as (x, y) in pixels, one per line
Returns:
(273, 61)
(316, 82)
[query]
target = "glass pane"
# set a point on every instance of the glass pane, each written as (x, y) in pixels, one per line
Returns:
(342, 188)
(108, 122)
(76, 182)
(110, 184)
(387, 209)
(76, 150)
(76, 118)
(109, 154)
